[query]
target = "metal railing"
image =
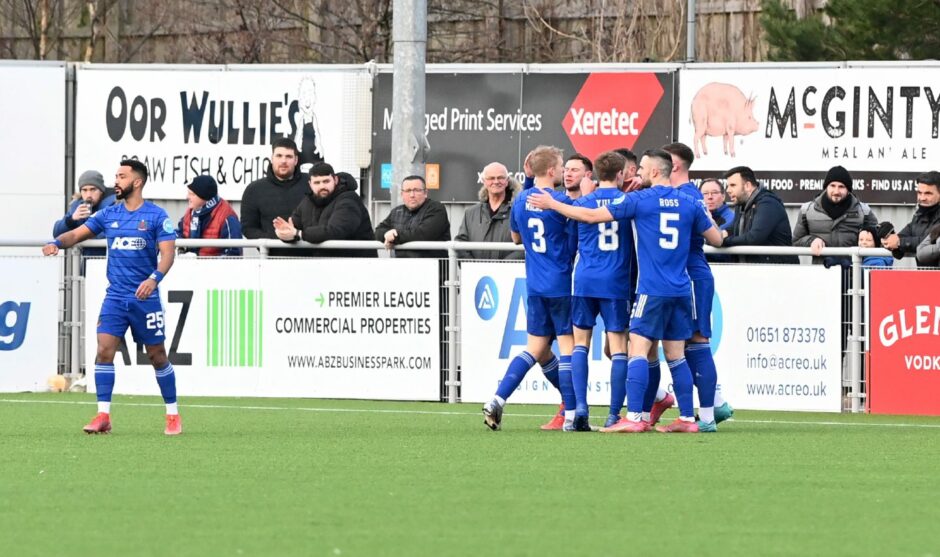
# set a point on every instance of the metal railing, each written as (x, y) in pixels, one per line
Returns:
(855, 338)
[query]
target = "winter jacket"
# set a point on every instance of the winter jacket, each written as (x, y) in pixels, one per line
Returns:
(914, 233)
(214, 220)
(762, 221)
(928, 252)
(339, 216)
(67, 223)
(878, 261)
(269, 198)
(813, 222)
(427, 223)
(481, 225)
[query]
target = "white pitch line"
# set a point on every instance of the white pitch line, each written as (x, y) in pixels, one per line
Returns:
(435, 412)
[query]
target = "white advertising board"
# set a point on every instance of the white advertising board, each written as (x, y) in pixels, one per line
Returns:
(790, 125)
(32, 149)
(213, 120)
(291, 328)
(770, 354)
(29, 322)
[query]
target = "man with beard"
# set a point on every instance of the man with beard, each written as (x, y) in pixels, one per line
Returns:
(834, 218)
(761, 218)
(136, 231)
(926, 217)
(331, 210)
(274, 196)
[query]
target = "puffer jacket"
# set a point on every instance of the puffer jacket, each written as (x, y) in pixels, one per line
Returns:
(914, 233)
(427, 223)
(339, 216)
(813, 222)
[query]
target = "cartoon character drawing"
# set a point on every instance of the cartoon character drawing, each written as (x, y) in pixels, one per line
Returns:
(308, 134)
(720, 109)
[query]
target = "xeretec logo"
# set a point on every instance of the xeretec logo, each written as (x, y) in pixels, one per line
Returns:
(611, 111)
(13, 319)
(486, 298)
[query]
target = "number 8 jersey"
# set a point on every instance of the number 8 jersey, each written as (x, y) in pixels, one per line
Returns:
(664, 220)
(550, 240)
(605, 251)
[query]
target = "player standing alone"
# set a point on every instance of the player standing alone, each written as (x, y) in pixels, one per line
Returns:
(136, 231)
(664, 220)
(549, 245)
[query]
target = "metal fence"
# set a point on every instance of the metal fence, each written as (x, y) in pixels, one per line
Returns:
(72, 334)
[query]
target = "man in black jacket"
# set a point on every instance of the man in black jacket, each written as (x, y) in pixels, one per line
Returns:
(926, 217)
(760, 218)
(331, 210)
(274, 196)
(418, 218)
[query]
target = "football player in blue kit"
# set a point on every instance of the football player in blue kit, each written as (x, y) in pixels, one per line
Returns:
(712, 408)
(136, 232)
(549, 241)
(664, 221)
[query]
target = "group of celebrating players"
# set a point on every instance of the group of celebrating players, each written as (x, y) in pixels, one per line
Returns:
(657, 222)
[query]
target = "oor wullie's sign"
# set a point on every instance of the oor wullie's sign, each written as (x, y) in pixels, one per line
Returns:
(183, 123)
(475, 119)
(904, 342)
(791, 125)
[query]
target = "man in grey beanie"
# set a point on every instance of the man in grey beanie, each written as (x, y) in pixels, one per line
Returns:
(92, 196)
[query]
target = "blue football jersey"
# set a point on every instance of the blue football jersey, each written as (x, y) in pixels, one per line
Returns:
(664, 221)
(550, 240)
(133, 238)
(602, 269)
(698, 264)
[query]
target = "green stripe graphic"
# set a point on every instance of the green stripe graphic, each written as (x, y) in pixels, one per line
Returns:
(233, 328)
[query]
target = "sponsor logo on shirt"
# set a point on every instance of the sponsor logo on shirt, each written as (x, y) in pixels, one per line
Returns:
(129, 243)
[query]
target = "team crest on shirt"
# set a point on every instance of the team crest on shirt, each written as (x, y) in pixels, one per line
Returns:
(168, 226)
(142, 225)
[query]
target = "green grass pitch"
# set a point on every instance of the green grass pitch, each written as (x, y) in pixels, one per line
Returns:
(329, 478)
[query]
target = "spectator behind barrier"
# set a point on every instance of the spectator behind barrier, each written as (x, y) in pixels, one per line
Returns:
(91, 197)
(713, 193)
(208, 216)
(928, 252)
(331, 210)
(834, 218)
(925, 217)
(760, 219)
(419, 218)
(868, 237)
(488, 220)
(274, 196)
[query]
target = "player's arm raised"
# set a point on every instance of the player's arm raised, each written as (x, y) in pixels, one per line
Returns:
(167, 255)
(68, 240)
(544, 200)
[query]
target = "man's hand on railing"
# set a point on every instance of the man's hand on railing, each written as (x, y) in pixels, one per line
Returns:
(285, 229)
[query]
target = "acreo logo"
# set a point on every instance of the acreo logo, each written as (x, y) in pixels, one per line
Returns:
(611, 111)
(13, 319)
(486, 298)
(129, 243)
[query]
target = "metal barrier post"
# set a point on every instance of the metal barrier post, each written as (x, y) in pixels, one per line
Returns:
(855, 340)
(74, 276)
(452, 327)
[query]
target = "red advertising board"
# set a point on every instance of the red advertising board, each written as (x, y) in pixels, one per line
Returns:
(904, 339)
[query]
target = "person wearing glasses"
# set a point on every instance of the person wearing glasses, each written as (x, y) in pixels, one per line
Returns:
(419, 218)
(488, 221)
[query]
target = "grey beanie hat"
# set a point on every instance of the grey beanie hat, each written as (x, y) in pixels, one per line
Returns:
(91, 178)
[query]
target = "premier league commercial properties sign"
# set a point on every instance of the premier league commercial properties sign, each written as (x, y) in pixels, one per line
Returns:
(473, 119)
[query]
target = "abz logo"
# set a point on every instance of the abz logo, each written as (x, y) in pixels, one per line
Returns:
(611, 111)
(129, 243)
(486, 298)
(13, 333)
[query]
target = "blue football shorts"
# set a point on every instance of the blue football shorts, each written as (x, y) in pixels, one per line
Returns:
(614, 312)
(703, 294)
(547, 317)
(662, 318)
(145, 319)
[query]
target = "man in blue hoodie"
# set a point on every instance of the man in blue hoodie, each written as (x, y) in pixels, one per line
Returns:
(92, 197)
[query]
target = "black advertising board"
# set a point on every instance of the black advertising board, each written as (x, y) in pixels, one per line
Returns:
(476, 118)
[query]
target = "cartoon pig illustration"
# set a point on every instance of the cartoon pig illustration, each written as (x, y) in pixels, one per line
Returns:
(721, 109)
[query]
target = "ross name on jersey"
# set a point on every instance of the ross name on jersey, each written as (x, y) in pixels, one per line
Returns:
(668, 202)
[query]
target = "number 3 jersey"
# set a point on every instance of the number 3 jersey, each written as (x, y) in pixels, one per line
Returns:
(133, 244)
(664, 220)
(605, 252)
(550, 240)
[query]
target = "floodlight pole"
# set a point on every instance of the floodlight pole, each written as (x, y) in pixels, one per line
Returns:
(409, 40)
(690, 32)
